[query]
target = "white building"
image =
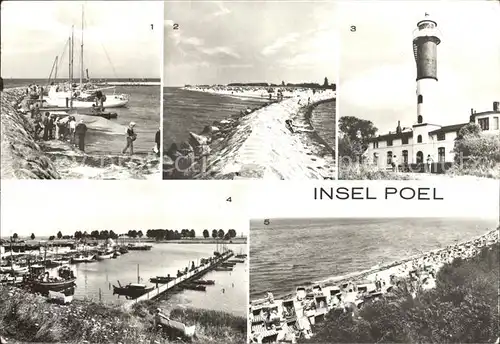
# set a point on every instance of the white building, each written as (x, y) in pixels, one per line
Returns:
(424, 139)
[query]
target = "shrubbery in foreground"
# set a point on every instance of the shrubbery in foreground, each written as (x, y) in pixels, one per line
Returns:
(463, 308)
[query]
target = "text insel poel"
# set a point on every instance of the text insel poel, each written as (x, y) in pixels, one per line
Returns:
(365, 193)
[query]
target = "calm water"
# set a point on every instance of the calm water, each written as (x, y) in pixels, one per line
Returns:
(108, 136)
(185, 111)
(290, 252)
(323, 120)
(166, 259)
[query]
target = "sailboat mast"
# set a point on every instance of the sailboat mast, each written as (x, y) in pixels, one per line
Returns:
(69, 60)
(81, 56)
(71, 68)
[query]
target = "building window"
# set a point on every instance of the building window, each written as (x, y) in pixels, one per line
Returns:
(375, 158)
(420, 119)
(495, 123)
(420, 99)
(375, 144)
(441, 136)
(389, 158)
(405, 157)
(389, 142)
(441, 154)
(404, 140)
(419, 139)
(484, 123)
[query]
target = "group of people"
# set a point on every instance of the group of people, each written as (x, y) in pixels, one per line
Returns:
(34, 91)
(64, 128)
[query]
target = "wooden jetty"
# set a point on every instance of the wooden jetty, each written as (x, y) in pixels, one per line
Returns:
(191, 275)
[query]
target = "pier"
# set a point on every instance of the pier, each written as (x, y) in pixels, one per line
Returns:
(191, 275)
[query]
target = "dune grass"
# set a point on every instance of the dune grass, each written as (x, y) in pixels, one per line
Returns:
(367, 172)
(27, 317)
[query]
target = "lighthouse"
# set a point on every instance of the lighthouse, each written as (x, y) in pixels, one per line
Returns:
(426, 38)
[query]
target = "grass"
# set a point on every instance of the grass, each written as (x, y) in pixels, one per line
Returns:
(481, 170)
(463, 308)
(367, 172)
(27, 317)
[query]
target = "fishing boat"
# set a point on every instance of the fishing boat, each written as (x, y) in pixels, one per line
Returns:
(102, 255)
(192, 286)
(205, 282)
(83, 259)
(131, 290)
(64, 280)
(116, 254)
(161, 279)
(15, 269)
(83, 96)
(139, 247)
(236, 261)
(223, 269)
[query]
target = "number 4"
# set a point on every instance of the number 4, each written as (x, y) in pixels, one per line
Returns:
(229, 199)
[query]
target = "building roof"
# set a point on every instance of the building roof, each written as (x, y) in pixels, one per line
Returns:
(392, 136)
(447, 129)
(474, 115)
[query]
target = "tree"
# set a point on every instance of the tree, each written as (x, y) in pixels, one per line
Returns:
(149, 233)
(355, 135)
(51, 237)
(78, 235)
(113, 235)
(283, 83)
(139, 234)
(325, 83)
(32, 236)
(59, 235)
(15, 236)
(214, 234)
(192, 233)
(95, 234)
(232, 233)
(220, 233)
(206, 234)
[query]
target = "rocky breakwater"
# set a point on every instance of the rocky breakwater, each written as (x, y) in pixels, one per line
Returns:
(257, 144)
(23, 157)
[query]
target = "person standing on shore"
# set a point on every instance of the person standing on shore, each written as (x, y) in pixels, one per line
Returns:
(72, 128)
(80, 131)
(395, 162)
(131, 137)
(429, 163)
(157, 141)
(46, 127)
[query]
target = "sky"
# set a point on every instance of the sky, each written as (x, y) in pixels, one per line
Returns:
(255, 41)
(378, 71)
(44, 208)
(33, 33)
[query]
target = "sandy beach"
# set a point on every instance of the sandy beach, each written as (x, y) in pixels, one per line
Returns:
(338, 292)
(259, 145)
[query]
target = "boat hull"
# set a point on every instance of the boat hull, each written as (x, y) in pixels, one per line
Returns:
(109, 103)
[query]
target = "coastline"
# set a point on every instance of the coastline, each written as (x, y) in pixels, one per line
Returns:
(25, 158)
(257, 144)
(383, 269)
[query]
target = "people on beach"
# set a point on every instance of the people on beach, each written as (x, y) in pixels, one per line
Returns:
(80, 131)
(295, 128)
(131, 137)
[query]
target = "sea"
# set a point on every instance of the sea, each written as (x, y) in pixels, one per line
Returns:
(229, 294)
(185, 111)
(324, 122)
(108, 136)
(296, 252)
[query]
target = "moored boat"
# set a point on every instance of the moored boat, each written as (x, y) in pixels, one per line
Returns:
(192, 286)
(161, 279)
(223, 269)
(83, 259)
(204, 282)
(102, 255)
(139, 247)
(131, 290)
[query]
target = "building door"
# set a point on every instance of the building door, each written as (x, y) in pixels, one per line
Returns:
(420, 157)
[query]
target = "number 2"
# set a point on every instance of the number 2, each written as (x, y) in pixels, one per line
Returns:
(176, 26)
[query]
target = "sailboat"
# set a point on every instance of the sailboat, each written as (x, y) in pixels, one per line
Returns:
(83, 96)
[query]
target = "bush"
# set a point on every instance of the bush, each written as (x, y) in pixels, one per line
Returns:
(463, 308)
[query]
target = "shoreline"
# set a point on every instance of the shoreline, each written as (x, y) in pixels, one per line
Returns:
(364, 274)
(55, 159)
(241, 146)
